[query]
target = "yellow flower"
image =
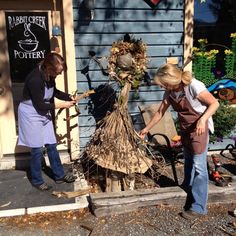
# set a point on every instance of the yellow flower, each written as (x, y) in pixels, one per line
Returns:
(214, 52)
(210, 57)
(233, 35)
(195, 49)
(199, 54)
(228, 52)
(203, 41)
(211, 53)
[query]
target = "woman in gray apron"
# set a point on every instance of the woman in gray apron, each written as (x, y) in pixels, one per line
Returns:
(195, 106)
(35, 121)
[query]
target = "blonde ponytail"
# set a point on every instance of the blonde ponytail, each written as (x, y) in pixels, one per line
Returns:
(172, 75)
(186, 77)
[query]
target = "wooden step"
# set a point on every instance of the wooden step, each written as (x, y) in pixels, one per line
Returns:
(104, 204)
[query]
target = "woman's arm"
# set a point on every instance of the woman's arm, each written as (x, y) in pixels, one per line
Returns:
(65, 104)
(34, 90)
(69, 100)
(157, 116)
(59, 94)
(37, 95)
(212, 105)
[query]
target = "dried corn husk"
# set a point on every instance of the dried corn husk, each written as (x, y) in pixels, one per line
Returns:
(114, 144)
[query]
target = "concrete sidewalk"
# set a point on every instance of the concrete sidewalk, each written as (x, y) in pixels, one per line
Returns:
(19, 197)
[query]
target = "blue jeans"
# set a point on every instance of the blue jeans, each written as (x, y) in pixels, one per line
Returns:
(36, 163)
(196, 180)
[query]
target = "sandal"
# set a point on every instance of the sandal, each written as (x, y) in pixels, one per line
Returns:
(66, 179)
(42, 187)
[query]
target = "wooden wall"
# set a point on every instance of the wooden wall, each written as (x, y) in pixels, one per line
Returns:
(161, 29)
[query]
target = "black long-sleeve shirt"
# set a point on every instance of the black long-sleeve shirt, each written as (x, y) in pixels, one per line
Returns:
(34, 89)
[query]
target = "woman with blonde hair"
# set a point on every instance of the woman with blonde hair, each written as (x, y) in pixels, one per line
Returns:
(195, 106)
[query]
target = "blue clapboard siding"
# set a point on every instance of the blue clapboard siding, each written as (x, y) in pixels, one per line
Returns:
(162, 31)
(120, 27)
(103, 50)
(133, 4)
(113, 14)
(149, 38)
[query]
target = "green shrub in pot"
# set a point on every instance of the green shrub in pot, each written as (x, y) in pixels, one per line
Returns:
(224, 121)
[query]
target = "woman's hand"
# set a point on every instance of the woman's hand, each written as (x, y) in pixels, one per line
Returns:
(74, 98)
(200, 127)
(143, 133)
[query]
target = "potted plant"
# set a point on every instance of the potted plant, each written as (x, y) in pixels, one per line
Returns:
(224, 121)
(203, 63)
(230, 58)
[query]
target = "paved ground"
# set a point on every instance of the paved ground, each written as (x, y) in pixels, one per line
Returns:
(17, 192)
(157, 220)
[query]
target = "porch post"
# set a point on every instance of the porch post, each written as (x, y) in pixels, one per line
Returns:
(188, 33)
(69, 54)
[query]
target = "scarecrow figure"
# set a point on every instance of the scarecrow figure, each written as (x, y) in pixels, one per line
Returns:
(115, 145)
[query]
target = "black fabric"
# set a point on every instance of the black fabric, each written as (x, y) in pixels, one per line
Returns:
(34, 89)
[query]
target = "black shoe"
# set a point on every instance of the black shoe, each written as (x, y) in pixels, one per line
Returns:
(42, 187)
(66, 179)
(190, 215)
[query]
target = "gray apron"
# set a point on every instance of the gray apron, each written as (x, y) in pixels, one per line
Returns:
(35, 130)
(188, 118)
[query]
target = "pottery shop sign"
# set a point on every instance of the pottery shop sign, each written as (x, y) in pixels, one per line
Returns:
(28, 41)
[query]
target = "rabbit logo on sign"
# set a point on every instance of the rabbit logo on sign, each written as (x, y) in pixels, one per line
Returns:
(30, 43)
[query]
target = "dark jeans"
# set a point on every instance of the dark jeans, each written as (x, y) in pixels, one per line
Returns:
(36, 161)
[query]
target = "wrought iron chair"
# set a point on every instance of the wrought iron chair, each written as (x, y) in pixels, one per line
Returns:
(161, 136)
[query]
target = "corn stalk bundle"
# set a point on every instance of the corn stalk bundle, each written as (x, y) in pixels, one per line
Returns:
(115, 145)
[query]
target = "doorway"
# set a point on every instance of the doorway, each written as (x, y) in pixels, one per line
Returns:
(24, 41)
